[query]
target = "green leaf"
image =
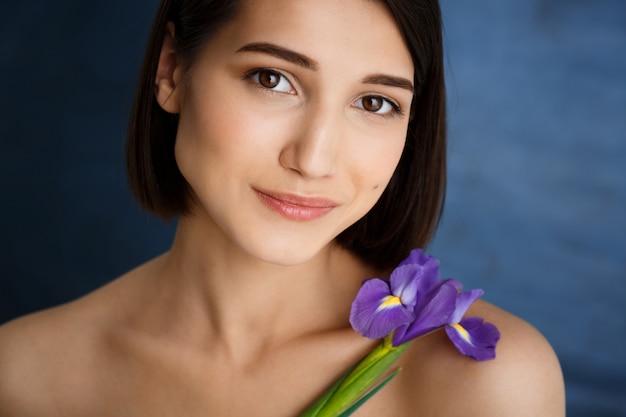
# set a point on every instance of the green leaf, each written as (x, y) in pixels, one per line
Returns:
(367, 396)
(368, 372)
(318, 406)
(361, 379)
(358, 383)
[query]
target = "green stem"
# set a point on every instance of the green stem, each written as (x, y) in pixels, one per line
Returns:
(359, 383)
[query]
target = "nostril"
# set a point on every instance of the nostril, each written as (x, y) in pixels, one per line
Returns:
(308, 158)
(312, 149)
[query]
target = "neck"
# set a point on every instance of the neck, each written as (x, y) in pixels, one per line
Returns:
(247, 305)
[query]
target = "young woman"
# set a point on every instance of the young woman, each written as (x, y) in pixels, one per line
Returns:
(301, 144)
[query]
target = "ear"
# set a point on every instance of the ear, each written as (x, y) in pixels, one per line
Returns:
(168, 74)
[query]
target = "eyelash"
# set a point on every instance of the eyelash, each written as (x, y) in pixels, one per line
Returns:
(254, 77)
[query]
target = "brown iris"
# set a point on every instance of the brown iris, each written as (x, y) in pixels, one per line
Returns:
(269, 79)
(372, 103)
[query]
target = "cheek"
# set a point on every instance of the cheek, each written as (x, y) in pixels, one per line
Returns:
(373, 172)
(379, 165)
(207, 123)
(202, 148)
(390, 162)
(371, 176)
(210, 128)
(224, 120)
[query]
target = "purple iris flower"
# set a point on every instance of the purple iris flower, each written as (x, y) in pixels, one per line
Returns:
(414, 296)
(415, 301)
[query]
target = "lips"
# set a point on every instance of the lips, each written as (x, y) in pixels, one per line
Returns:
(296, 207)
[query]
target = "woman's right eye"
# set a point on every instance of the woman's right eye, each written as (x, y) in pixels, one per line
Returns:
(272, 80)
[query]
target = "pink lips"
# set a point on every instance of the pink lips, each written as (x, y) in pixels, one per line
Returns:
(296, 207)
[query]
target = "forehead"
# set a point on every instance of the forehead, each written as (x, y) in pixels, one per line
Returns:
(359, 33)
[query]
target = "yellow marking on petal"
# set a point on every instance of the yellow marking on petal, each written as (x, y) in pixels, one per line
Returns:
(464, 334)
(390, 301)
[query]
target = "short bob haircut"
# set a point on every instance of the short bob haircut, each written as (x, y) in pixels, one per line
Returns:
(409, 209)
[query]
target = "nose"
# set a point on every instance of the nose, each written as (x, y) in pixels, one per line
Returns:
(312, 148)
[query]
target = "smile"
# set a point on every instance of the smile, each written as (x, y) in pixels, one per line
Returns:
(295, 207)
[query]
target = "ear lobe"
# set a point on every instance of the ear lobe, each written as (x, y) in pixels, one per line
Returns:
(168, 74)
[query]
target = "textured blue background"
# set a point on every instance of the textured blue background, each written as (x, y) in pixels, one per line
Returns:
(536, 206)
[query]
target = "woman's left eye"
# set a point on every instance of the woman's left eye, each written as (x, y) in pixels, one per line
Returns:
(378, 105)
(272, 80)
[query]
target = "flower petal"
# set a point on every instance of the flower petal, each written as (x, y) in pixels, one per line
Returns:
(433, 314)
(463, 301)
(404, 282)
(418, 257)
(474, 337)
(420, 286)
(376, 312)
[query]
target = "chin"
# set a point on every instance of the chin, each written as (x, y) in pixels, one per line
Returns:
(287, 253)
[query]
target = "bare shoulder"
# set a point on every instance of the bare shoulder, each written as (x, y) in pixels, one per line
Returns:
(525, 379)
(53, 355)
(32, 349)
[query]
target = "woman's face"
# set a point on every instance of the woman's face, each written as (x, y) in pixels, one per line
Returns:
(293, 121)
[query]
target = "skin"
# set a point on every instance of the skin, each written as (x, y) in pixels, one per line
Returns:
(245, 309)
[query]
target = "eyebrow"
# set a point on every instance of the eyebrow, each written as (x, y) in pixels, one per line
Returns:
(282, 53)
(389, 80)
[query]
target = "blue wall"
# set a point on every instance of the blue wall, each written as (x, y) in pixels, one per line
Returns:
(536, 209)
(536, 206)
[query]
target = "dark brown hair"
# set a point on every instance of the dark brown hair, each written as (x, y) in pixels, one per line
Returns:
(409, 209)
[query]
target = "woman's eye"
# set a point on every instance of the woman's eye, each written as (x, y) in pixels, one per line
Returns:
(378, 105)
(272, 80)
